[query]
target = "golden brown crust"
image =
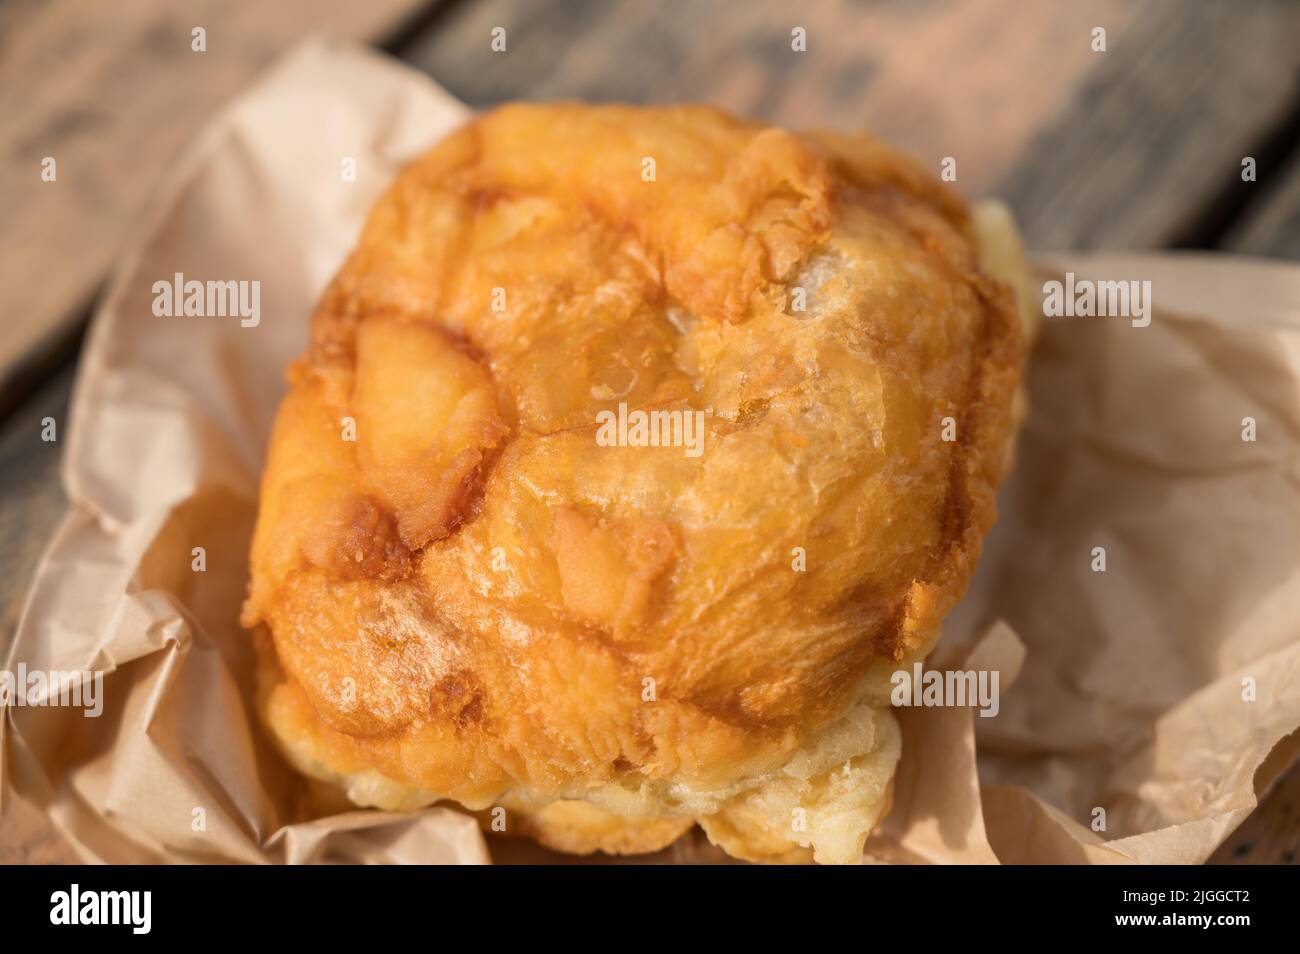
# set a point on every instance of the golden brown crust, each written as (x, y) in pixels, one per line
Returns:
(580, 828)
(474, 598)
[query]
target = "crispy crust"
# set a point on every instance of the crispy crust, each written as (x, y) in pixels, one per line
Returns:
(473, 599)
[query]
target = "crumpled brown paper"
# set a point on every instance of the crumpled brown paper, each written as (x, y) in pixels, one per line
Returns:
(1130, 698)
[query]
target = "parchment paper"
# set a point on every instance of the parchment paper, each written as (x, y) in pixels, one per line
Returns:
(1130, 688)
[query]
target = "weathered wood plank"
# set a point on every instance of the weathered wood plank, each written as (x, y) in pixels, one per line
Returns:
(937, 79)
(31, 498)
(1159, 130)
(112, 92)
(1272, 225)
(1121, 148)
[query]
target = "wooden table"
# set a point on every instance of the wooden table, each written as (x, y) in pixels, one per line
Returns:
(1137, 146)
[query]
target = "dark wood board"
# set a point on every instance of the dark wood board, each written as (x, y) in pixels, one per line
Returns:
(112, 92)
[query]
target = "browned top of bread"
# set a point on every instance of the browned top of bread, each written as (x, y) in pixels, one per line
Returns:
(476, 594)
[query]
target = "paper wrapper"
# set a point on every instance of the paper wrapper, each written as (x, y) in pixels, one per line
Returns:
(1131, 694)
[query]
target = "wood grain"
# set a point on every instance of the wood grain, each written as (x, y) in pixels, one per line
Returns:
(31, 500)
(1159, 129)
(112, 92)
(973, 80)
(1272, 223)
(1118, 149)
